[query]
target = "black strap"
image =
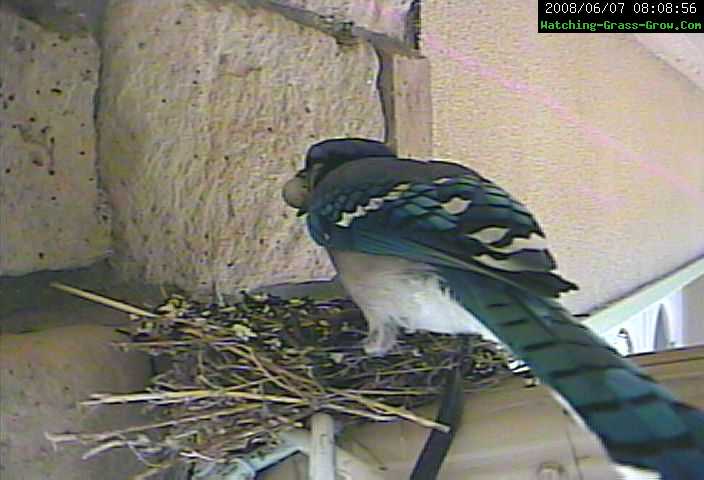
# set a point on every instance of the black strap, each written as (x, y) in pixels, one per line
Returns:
(438, 443)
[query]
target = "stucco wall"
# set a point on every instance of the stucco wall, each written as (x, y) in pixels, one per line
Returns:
(604, 141)
(206, 108)
(52, 212)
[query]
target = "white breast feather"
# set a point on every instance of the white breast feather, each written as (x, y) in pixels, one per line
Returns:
(632, 473)
(403, 293)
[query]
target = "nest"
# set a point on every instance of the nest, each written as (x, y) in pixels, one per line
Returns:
(238, 375)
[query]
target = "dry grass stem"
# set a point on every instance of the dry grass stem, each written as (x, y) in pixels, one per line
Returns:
(108, 302)
(238, 376)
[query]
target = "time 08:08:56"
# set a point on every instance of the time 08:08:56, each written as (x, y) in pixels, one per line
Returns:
(618, 7)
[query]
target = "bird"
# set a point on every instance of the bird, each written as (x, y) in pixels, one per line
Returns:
(433, 245)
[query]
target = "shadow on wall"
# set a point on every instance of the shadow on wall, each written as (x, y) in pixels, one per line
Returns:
(65, 16)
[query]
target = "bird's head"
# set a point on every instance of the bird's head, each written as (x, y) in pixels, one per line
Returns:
(324, 157)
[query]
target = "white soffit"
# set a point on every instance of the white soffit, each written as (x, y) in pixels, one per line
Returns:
(682, 51)
(618, 312)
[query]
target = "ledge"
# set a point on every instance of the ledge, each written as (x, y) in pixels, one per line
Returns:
(613, 314)
(683, 52)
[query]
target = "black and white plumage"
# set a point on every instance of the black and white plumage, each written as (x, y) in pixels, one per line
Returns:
(436, 246)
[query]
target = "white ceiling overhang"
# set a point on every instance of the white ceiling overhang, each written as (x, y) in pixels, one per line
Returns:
(683, 51)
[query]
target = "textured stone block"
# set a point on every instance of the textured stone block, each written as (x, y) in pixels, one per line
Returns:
(51, 214)
(388, 17)
(206, 109)
(44, 376)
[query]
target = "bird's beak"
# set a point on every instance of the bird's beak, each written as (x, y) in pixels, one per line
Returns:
(296, 192)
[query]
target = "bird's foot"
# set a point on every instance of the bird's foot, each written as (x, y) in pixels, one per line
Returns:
(381, 339)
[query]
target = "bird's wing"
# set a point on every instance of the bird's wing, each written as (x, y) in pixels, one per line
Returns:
(488, 249)
(436, 213)
(639, 422)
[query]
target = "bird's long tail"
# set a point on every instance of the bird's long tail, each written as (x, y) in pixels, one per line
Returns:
(639, 422)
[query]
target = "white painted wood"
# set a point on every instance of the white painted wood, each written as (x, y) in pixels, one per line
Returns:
(617, 313)
(508, 432)
(349, 466)
(683, 52)
(322, 447)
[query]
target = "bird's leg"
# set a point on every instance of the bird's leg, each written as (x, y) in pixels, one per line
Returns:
(381, 337)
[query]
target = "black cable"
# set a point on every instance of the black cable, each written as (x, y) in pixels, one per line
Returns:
(438, 443)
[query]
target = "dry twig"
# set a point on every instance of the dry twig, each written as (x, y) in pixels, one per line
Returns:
(241, 374)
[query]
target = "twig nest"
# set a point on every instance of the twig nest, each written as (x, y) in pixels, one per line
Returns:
(239, 375)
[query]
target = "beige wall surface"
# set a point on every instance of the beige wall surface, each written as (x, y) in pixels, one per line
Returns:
(600, 138)
(206, 109)
(52, 213)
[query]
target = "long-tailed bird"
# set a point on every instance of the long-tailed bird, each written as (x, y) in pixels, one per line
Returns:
(435, 246)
